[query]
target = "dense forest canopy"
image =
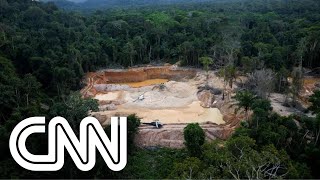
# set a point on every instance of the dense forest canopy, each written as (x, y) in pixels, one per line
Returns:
(58, 47)
(103, 4)
(45, 52)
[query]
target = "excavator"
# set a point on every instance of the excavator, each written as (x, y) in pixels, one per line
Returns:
(157, 124)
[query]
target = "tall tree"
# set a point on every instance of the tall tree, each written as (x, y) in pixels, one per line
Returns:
(194, 138)
(31, 87)
(130, 52)
(244, 101)
(315, 102)
(206, 62)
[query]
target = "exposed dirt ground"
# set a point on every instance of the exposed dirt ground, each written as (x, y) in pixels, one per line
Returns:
(188, 114)
(165, 93)
(310, 84)
(148, 82)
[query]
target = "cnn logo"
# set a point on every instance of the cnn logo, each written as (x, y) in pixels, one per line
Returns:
(61, 137)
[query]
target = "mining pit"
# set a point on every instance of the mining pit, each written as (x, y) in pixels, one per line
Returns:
(174, 96)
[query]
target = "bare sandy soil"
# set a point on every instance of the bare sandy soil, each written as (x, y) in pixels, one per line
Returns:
(309, 86)
(177, 102)
(278, 100)
(188, 114)
(110, 96)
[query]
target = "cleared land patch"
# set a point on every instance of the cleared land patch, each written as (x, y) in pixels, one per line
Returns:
(166, 93)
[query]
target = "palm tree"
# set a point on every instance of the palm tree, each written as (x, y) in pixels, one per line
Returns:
(206, 62)
(244, 101)
(229, 74)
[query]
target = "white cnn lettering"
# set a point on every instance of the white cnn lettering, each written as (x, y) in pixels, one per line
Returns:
(61, 137)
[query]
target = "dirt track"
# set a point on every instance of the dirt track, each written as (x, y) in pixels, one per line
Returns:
(171, 135)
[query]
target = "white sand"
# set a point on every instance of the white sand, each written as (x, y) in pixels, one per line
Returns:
(189, 114)
(110, 96)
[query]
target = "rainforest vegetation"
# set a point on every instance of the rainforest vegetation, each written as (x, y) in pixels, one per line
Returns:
(45, 52)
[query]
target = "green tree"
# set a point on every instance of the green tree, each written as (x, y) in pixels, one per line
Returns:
(130, 52)
(261, 111)
(301, 49)
(282, 76)
(194, 137)
(31, 87)
(188, 169)
(315, 100)
(206, 62)
(297, 83)
(9, 83)
(248, 64)
(74, 109)
(229, 74)
(133, 125)
(244, 161)
(35, 16)
(244, 101)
